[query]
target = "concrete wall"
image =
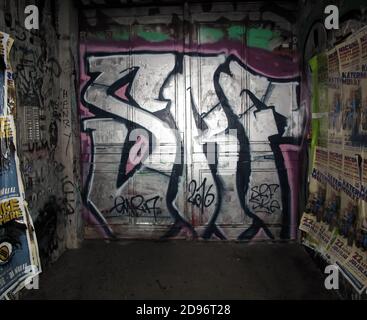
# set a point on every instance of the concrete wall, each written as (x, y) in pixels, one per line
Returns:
(192, 122)
(45, 77)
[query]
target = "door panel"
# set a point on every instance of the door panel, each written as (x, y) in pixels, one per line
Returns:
(184, 117)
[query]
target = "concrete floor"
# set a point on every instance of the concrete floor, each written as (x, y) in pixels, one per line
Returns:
(182, 270)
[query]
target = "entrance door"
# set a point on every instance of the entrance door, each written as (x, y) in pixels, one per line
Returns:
(184, 115)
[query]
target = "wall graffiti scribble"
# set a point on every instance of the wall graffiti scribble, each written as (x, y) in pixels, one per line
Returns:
(262, 198)
(200, 195)
(135, 206)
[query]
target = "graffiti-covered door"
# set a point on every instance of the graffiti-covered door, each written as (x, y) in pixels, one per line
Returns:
(189, 119)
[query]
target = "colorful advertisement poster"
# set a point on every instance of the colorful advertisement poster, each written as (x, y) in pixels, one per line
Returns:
(350, 66)
(19, 258)
(356, 264)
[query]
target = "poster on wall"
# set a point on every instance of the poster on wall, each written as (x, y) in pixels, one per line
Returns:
(329, 216)
(19, 258)
(359, 134)
(335, 141)
(349, 58)
(356, 264)
(339, 215)
(314, 211)
(334, 99)
(346, 250)
(310, 227)
(323, 99)
(8, 172)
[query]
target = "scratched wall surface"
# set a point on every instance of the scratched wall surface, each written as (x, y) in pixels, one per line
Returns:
(191, 122)
(46, 111)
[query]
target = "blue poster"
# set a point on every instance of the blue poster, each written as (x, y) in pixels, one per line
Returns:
(19, 260)
(14, 256)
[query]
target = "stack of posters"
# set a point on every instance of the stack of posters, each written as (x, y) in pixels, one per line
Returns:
(335, 220)
(19, 258)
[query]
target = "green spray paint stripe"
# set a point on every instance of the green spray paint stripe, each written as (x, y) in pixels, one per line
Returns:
(256, 37)
(209, 34)
(261, 38)
(153, 36)
(105, 35)
(120, 35)
(236, 32)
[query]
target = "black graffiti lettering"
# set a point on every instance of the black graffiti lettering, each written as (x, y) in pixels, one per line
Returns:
(262, 198)
(68, 194)
(38, 146)
(53, 131)
(50, 65)
(136, 206)
(200, 196)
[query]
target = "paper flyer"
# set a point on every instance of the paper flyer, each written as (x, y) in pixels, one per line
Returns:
(340, 250)
(356, 263)
(326, 238)
(311, 227)
(350, 63)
